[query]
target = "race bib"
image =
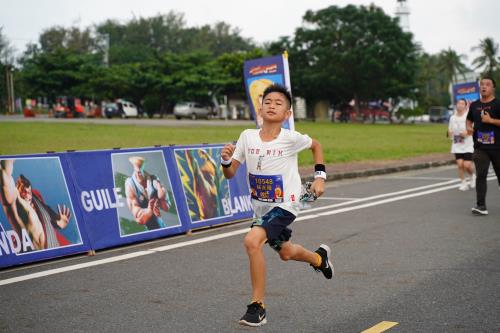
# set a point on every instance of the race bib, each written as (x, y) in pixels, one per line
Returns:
(458, 139)
(266, 188)
(486, 138)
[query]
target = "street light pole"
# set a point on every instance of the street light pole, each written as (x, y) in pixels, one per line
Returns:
(10, 89)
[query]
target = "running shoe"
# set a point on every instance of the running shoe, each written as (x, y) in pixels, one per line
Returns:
(255, 315)
(473, 181)
(480, 210)
(464, 186)
(326, 266)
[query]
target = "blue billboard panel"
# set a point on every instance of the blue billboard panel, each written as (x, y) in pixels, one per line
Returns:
(38, 219)
(61, 204)
(208, 196)
(149, 200)
(126, 195)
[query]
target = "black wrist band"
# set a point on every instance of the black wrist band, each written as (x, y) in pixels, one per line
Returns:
(319, 167)
(226, 165)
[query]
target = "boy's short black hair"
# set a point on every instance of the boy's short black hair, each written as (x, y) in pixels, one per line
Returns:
(491, 79)
(279, 89)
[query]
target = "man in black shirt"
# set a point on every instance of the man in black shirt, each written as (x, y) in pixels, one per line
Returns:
(484, 115)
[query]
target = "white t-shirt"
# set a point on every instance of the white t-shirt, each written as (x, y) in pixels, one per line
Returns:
(460, 145)
(272, 169)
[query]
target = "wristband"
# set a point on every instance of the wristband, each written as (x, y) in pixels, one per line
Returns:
(320, 174)
(319, 167)
(226, 164)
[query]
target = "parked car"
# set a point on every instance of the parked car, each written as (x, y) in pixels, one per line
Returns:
(191, 110)
(439, 114)
(121, 108)
(425, 118)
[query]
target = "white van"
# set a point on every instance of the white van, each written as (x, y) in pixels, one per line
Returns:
(191, 110)
(127, 108)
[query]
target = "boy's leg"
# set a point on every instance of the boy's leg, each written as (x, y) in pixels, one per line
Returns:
(268, 227)
(319, 260)
(256, 313)
(297, 252)
(254, 241)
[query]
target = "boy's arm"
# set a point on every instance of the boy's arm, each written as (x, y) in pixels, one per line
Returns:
(318, 185)
(229, 166)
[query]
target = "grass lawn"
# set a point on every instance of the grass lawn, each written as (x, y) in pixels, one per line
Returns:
(341, 142)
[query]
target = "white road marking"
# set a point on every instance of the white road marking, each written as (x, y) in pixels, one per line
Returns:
(337, 198)
(242, 231)
(381, 202)
(200, 240)
(378, 196)
(73, 267)
(422, 178)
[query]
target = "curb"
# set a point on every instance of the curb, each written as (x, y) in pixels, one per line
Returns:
(380, 171)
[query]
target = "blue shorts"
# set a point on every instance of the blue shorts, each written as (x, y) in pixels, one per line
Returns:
(275, 223)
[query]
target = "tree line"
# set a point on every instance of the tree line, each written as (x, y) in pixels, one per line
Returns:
(338, 54)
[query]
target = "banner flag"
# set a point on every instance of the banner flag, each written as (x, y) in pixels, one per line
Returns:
(260, 73)
(468, 91)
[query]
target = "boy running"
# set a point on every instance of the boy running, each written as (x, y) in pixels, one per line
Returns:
(271, 156)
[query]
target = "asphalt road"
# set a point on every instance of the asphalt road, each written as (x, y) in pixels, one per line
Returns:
(406, 251)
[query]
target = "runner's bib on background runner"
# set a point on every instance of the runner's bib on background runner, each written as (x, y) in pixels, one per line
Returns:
(486, 138)
(458, 139)
(266, 188)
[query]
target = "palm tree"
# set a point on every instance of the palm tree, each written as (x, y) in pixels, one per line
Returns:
(488, 59)
(450, 64)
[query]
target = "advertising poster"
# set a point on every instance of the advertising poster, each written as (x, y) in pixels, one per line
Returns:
(125, 195)
(258, 75)
(205, 187)
(37, 213)
(144, 180)
(468, 91)
(67, 203)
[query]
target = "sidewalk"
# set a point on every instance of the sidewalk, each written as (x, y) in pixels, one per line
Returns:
(371, 168)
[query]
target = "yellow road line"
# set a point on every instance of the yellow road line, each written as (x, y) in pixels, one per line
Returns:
(380, 327)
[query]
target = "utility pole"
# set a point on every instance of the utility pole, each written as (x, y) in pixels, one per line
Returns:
(10, 89)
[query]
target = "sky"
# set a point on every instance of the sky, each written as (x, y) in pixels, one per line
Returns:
(436, 24)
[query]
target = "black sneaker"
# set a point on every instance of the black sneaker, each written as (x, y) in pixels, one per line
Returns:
(326, 266)
(480, 210)
(255, 316)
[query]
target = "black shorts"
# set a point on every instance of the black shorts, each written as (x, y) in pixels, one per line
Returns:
(464, 156)
(276, 223)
